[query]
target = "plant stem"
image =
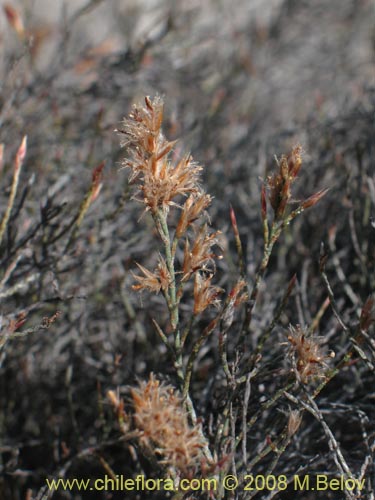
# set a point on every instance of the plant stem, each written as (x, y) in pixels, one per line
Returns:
(275, 232)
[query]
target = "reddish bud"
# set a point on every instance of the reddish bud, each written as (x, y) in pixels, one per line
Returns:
(14, 19)
(313, 200)
(149, 103)
(21, 153)
(294, 162)
(97, 176)
(233, 220)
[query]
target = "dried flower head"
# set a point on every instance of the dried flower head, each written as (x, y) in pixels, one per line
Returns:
(161, 185)
(205, 294)
(307, 351)
(192, 210)
(153, 281)
(160, 416)
(280, 182)
(142, 131)
(200, 254)
(160, 181)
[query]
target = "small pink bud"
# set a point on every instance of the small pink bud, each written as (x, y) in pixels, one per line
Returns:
(96, 185)
(313, 199)
(233, 220)
(21, 153)
(14, 19)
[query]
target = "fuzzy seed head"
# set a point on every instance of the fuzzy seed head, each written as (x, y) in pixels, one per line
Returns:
(164, 426)
(160, 181)
(155, 281)
(308, 354)
(205, 294)
(192, 209)
(200, 254)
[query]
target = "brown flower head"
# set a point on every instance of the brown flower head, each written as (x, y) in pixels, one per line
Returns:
(200, 254)
(142, 130)
(280, 182)
(164, 426)
(192, 210)
(153, 281)
(205, 294)
(161, 185)
(308, 354)
(160, 181)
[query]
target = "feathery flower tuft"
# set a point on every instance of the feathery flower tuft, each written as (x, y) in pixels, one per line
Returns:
(200, 255)
(159, 180)
(280, 182)
(160, 416)
(153, 281)
(192, 210)
(310, 359)
(205, 294)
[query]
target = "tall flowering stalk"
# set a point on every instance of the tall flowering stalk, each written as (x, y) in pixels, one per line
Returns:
(167, 188)
(279, 186)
